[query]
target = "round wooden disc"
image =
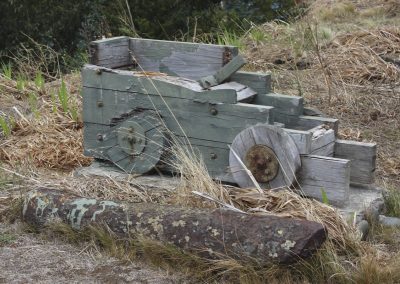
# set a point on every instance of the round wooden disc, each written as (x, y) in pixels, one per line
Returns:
(269, 153)
(138, 143)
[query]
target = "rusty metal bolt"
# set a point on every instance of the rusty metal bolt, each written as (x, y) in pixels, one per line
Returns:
(213, 111)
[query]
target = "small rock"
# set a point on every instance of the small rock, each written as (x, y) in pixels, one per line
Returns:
(389, 221)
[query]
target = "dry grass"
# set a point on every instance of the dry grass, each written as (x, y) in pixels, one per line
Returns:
(43, 134)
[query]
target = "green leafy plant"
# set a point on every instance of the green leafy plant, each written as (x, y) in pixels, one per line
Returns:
(33, 104)
(5, 126)
(39, 80)
(230, 38)
(6, 70)
(20, 83)
(325, 199)
(63, 96)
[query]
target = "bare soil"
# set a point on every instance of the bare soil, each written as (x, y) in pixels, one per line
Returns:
(27, 258)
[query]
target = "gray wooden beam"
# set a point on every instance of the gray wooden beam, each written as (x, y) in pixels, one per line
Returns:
(283, 104)
(181, 59)
(363, 159)
(332, 175)
(110, 53)
(259, 82)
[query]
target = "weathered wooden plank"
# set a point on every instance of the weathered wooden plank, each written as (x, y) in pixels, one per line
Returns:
(259, 82)
(323, 141)
(110, 53)
(157, 85)
(332, 175)
(283, 104)
(302, 140)
(363, 159)
(244, 93)
(181, 59)
(224, 73)
(304, 122)
(326, 150)
(117, 103)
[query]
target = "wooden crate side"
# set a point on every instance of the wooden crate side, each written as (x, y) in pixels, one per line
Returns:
(324, 173)
(259, 82)
(110, 53)
(157, 85)
(181, 59)
(363, 159)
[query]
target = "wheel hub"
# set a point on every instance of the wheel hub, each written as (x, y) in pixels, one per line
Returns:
(131, 138)
(262, 162)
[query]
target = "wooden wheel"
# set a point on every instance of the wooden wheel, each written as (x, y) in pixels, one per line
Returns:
(268, 152)
(137, 143)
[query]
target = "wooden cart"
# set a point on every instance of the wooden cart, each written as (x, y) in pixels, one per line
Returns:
(139, 92)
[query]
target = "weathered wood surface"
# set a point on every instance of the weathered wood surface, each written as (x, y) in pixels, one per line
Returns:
(302, 139)
(363, 159)
(304, 122)
(181, 59)
(224, 73)
(155, 84)
(279, 141)
(332, 175)
(205, 232)
(283, 105)
(323, 141)
(244, 93)
(110, 53)
(259, 82)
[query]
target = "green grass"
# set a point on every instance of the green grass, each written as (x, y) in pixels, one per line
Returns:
(392, 203)
(226, 37)
(5, 126)
(7, 239)
(39, 81)
(63, 96)
(6, 69)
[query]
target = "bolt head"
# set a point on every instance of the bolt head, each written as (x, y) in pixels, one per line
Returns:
(100, 104)
(214, 111)
(100, 137)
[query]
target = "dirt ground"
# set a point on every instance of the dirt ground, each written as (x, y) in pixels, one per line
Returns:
(27, 258)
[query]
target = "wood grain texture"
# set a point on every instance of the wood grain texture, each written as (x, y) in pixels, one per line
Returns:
(283, 104)
(332, 175)
(223, 73)
(275, 138)
(306, 123)
(363, 159)
(181, 59)
(110, 53)
(323, 141)
(302, 139)
(259, 82)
